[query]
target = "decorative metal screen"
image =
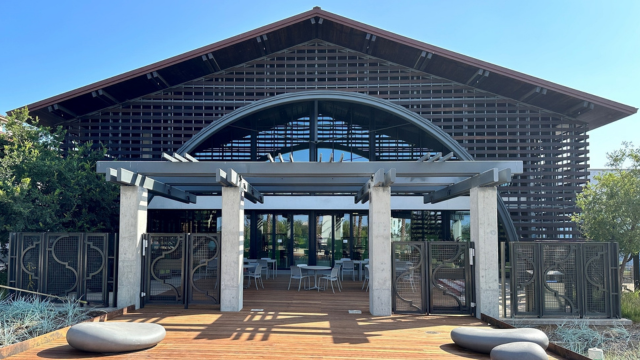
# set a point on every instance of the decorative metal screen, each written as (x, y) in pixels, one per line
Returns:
(179, 267)
(449, 277)
(204, 269)
(75, 265)
(165, 264)
(564, 279)
(408, 269)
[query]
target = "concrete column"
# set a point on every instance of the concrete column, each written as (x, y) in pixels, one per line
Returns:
(232, 249)
(133, 223)
(484, 232)
(380, 251)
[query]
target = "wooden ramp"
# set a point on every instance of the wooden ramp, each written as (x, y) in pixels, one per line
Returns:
(280, 324)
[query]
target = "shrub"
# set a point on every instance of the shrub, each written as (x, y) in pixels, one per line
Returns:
(630, 305)
(22, 318)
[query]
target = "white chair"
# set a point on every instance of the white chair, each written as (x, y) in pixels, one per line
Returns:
(264, 264)
(296, 273)
(331, 277)
(256, 275)
(348, 265)
(366, 278)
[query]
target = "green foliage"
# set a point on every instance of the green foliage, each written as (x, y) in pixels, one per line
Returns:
(43, 188)
(611, 207)
(630, 306)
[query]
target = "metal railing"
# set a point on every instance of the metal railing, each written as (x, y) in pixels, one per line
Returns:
(72, 265)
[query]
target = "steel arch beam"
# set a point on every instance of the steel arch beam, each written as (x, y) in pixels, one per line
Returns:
(355, 98)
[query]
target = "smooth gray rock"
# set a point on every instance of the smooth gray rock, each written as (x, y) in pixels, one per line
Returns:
(484, 340)
(111, 337)
(519, 351)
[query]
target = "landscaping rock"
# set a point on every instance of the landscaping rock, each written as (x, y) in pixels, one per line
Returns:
(519, 351)
(484, 340)
(111, 337)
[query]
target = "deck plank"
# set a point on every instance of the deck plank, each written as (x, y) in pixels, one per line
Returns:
(293, 325)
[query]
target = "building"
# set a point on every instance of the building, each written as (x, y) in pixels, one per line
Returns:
(3, 121)
(320, 87)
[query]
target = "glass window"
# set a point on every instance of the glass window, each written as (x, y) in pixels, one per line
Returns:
(460, 226)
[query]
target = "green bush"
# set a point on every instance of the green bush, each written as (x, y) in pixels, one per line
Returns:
(630, 304)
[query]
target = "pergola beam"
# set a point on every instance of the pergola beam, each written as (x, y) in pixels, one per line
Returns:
(129, 178)
(313, 169)
(492, 177)
(230, 178)
(379, 178)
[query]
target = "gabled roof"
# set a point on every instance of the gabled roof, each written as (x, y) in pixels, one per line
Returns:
(320, 24)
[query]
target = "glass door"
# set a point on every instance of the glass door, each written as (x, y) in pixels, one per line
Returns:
(342, 244)
(265, 236)
(300, 239)
(282, 243)
(360, 237)
(324, 239)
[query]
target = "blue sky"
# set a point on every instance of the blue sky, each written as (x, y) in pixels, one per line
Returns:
(49, 47)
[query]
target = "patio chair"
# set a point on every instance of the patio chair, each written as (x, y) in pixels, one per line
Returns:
(296, 273)
(256, 275)
(366, 278)
(331, 277)
(348, 265)
(264, 265)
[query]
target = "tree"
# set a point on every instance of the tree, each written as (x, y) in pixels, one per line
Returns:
(610, 207)
(45, 188)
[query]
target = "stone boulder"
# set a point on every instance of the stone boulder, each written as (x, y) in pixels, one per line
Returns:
(484, 340)
(519, 351)
(113, 337)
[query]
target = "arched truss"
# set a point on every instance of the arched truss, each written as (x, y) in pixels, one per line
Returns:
(380, 105)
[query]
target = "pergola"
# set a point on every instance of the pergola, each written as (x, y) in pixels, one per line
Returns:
(183, 178)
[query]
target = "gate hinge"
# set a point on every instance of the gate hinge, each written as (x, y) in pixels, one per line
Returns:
(472, 253)
(143, 294)
(473, 304)
(144, 247)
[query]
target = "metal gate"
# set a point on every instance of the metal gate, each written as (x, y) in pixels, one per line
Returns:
(563, 279)
(181, 269)
(75, 265)
(432, 277)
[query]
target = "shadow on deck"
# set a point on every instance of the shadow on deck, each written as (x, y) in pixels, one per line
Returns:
(291, 325)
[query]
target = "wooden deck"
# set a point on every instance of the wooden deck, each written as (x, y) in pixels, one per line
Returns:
(292, 325)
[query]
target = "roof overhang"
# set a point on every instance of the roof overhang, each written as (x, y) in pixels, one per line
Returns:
(594, 110)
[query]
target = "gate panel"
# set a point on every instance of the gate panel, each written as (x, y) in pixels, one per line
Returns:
(29, 248)
(165, 263)
(449, 277)
(560, 280)
(204, 269)
(95, 267)
(63, 257)
(409, 269)
(596, 276)
(524, 279)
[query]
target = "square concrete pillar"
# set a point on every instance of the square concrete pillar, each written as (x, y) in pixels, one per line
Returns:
(133, 223)
(484, 232)
(232, 249)
(380, 251)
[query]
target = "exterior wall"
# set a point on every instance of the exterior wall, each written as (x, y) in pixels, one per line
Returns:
(553, 148)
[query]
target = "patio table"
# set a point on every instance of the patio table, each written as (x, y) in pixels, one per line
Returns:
(357, 262)
(274, 267)
(315, 269)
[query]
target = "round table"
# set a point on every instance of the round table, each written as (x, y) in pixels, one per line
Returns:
(315, 269)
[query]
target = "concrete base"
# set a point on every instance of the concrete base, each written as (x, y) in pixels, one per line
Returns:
(544, 321)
